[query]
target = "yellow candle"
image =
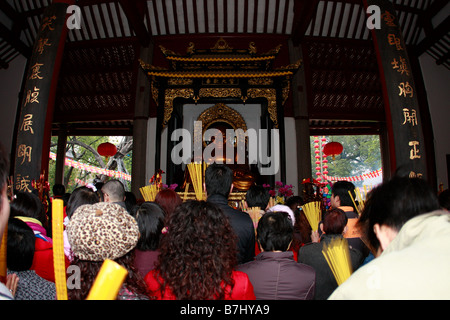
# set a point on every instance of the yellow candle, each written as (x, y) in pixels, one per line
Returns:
(3, 266)
(108, 281)
(58, 249)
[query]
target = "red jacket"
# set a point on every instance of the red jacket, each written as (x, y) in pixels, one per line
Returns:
(242, 290)
(43, 260)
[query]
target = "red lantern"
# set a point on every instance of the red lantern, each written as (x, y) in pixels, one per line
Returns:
(333, 149)
(107, 149)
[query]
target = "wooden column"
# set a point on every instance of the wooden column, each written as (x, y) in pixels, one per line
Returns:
(300, 108)
(61, 155)
(406, 142)
(140, 124)
(36, 108)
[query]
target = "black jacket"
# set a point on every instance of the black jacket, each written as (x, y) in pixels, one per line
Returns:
(311, 254)
(242, 225)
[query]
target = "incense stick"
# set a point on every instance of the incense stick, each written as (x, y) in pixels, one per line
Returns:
(58, 249)
(337, 255)
(108, 281)
(313, 214)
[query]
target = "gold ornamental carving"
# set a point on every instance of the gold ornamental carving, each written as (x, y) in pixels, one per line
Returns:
(170, 95)
(271, 96)
(220, 112)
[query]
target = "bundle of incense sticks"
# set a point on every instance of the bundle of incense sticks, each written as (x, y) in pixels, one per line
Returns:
(338, 258)
(149, 192)
(255, 214)
(3, 255)
(271, 202)
(196, 173)
(58, 249)
(108, 281)
(360, 205)
(313, 213)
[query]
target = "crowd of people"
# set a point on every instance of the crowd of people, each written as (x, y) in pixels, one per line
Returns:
(203, 250)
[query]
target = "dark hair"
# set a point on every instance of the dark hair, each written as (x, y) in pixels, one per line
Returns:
(201, 246)
(395, 202)
(28, 204)
(80, 196)
(218, 179)
(444, 199)
(334, 221)
(257, 196)
(168, 199)
(275, 231)
(341, 189)
(58, 190)
(20, 245)
(130, 200)
(89, 270)
(150, 218)
(294, 201)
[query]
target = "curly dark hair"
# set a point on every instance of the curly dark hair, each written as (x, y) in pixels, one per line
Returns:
(89, 270)
(198, 254)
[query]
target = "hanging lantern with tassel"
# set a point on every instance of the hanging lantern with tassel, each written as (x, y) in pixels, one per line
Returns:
(333, 149)
(107, 149)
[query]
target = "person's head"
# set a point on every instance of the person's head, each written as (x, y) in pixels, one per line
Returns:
(27, 204)
(130, 200)
(284, 208)
(150, 218)
(390, 205)
(168, 199)
(58, 190)
(275, 231)
(113, 191)
(4, 202)
(340, 194)
(20, 246)
(218, 180)
(80, 196)
(294, 202)
(201, 245)
(101, 231)
(444, 199)
(334, 222)
(257, 196)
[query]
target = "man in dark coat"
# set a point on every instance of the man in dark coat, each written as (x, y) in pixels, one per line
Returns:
(274, 273)
(218, 185)
(334, 225)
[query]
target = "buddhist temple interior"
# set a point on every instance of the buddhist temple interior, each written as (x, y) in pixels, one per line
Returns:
(148, 68)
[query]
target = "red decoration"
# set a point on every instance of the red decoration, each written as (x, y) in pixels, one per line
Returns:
(107, 149)
(333, 149)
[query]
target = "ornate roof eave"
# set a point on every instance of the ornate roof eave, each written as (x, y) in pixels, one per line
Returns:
(218, 74)
(220, 48)
(286, 71)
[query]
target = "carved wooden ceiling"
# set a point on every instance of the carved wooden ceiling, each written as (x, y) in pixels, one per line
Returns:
(100, 60)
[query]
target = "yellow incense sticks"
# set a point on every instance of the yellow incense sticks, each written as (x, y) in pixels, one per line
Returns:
(338, 258)
(149, 192)
(360, 205)
(3, 265)
(255, 214)
(108, 281)
(58, 249)
(196, 173)
(313, 213)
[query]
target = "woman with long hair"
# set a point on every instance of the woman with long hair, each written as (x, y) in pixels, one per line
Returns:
(102, 231)
(197, 257)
